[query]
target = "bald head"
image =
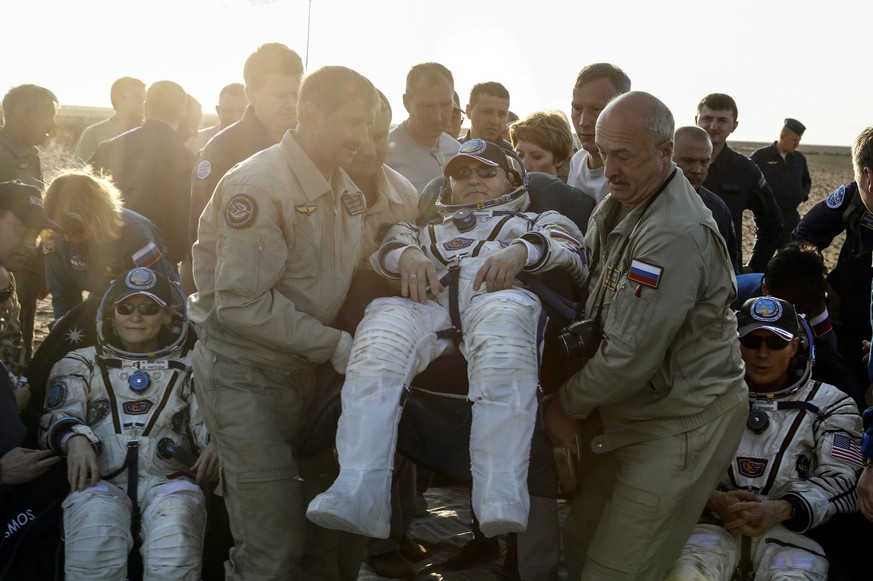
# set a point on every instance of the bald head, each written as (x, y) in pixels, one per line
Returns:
(692, 152)
(635, 139)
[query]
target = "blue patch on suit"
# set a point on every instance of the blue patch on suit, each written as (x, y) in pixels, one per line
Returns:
(457, 243)
(57, 395)
(803, 467)
(835, 200)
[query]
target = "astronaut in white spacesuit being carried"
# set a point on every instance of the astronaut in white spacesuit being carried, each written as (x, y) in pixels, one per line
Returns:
(796, 466)
(484, 241)
(125, 416)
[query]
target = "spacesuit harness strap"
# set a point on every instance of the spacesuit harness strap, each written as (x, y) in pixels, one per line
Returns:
(451, 280)
(789, 437)
(131, 460)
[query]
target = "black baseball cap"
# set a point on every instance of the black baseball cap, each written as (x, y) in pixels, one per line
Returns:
(25, 201)
(146, 282)
(770, 314)
(487, 153)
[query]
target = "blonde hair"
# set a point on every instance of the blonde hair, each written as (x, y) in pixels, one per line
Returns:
(85, 204)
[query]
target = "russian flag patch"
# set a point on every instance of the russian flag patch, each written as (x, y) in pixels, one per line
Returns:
(563, 236)
(147, 255)
(647, 274)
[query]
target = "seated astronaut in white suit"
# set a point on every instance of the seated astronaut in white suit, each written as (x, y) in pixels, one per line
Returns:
(458, 275)
(796, 466)
(125, 416)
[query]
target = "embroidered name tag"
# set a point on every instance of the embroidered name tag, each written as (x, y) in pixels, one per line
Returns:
(354, 203)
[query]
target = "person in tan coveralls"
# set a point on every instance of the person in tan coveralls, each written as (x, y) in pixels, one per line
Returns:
(277, 246)
(662, 400)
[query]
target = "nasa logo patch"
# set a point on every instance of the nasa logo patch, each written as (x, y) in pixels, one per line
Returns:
(240, 212)
(751, 467)
(204, 168)
(56, 396)
(835, 200)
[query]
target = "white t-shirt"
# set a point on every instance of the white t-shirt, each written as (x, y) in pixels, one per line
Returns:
(590, 181)
(415, 162)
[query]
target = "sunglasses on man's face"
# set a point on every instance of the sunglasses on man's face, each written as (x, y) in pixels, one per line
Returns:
(483, 171)
(773, 342)
(6, 293)
(145, 309)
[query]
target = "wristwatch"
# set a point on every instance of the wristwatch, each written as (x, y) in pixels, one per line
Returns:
(83, 430)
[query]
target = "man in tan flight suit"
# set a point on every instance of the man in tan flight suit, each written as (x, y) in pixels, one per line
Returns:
(277, 247)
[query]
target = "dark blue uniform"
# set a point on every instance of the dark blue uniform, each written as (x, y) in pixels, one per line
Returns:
(790, 181)
(152, 168)
(722, 216)
(73, 267)
(843, 211)
(740, 184)
(227, 148)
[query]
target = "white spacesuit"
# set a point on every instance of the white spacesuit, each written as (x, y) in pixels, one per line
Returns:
(502, 333)
(800, 445)
(140, 413)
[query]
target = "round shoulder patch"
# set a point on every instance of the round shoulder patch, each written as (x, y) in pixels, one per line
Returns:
(97, 410)
(835, 200)
(240, 211)
(204, 168)
(56, 396)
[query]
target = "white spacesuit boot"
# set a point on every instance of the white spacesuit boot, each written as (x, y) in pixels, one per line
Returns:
(359, 500)
(500, 439)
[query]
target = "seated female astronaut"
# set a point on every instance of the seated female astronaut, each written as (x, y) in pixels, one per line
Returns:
(796, 466)
(125, 416)
(484, 241)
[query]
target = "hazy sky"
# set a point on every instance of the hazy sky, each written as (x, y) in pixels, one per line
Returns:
(776, 58)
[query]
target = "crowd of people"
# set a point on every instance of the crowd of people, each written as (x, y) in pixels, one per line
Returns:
(250, 321)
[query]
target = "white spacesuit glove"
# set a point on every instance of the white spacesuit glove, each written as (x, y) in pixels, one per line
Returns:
(340, 357)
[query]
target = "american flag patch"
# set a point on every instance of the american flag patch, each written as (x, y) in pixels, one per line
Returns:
(147, 255)
(846, 448)
(647, 274)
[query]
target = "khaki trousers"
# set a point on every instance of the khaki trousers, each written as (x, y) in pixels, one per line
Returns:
(253, 415)
(638, 504)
